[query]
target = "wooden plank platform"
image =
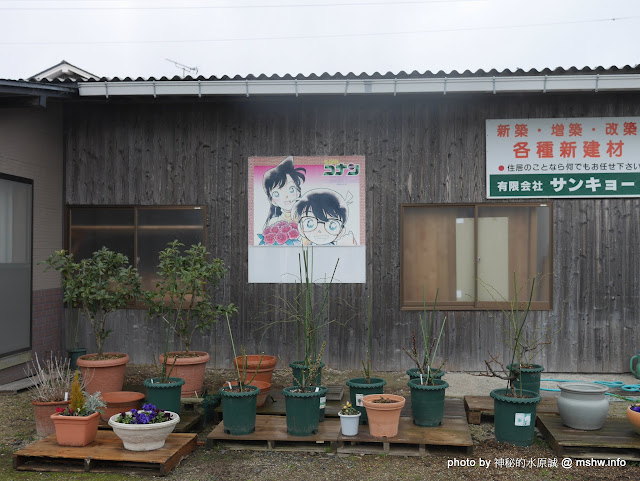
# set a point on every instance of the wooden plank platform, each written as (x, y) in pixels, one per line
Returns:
(412, 440)
(271, 435)
(105, 455)
(616, 439)
(476, 405)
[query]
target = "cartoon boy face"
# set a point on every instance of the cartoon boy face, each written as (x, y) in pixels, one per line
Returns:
(320, 232)
(285, 196)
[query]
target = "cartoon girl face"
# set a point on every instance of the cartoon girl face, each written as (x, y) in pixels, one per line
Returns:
(320, 232)
(285, 196)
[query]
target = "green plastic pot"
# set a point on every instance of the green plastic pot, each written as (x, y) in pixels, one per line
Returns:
(74, 354)
(164, 395)
(239, 410)
(302, 410)
(358, 388)
(415, 373)
(427, 402)
(529, 377)
(515, 417)
(299, 367)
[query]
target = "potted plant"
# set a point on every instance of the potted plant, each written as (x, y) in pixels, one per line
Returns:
(163, 390)
(239, 400)
(349, 420)
(427, 389)
(362, 386)
(182, 300)
(384, 414)
(98, 286)
(633, 415)
(74, 351)
(514, 406)
(51, 385)
(144, 430)
(77, 424)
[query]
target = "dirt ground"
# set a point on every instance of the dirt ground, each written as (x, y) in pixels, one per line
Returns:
(18, 430)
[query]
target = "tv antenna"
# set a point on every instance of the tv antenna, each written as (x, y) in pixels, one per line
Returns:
(184, 68)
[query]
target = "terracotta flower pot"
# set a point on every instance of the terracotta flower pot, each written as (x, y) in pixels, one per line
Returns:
(383, 417)
(43, 412)
(76, 430)
(106, 375)
(264, 387)
(634, 419)
(191, 369)
(120, 401)
(264, 372)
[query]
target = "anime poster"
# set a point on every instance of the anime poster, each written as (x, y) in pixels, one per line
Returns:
(297, 202)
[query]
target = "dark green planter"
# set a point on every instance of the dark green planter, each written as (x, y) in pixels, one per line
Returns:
(415, 374)
(74, 354)
(302, 410)
(299, 367)
(239, 410)
(510, 417)
(427, 402)
(164, 395)
(358, 388)
(529, 377)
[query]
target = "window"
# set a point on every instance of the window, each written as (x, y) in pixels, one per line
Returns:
(16, 212)
(470, 254)
(140, 233)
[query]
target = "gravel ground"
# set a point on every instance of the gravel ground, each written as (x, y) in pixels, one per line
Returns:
(18, 430)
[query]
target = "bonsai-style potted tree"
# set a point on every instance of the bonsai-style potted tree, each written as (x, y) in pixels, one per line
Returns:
(77, 424)
(427, 389)
(514, 406)
(98, 286)
(239, 399)
(52, 380)
(362, 386)
(182, 300)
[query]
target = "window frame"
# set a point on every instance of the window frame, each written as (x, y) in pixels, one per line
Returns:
(31, 183)
(68, 227)
(475, 305)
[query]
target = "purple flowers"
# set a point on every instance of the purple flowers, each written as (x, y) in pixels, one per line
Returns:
(148, 415)
(635, 408)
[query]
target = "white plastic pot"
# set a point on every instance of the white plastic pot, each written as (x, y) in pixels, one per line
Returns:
(349, 424)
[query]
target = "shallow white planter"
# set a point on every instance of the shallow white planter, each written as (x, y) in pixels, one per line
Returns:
(144, 437)
(583, 405)
(349, 424)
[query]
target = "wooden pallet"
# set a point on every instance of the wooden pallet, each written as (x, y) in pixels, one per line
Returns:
(476, 405)
(271, 435)
(616, 439)
(105, 455)
(412, 440)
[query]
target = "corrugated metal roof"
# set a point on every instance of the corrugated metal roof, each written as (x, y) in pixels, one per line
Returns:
(378, 75)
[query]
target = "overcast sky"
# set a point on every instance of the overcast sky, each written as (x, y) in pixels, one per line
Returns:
(240, 37)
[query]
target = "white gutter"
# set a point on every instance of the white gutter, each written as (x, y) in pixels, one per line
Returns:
(443, 85)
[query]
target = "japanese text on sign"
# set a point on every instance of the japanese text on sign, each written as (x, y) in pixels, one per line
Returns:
(587, 157)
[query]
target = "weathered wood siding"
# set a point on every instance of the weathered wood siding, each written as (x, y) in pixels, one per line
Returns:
(418, 149)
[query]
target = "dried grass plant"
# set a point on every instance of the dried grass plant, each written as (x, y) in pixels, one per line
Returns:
(52, 378)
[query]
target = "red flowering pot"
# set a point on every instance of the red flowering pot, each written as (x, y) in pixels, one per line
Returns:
(190, 368)
(43, 412)
(76, 430)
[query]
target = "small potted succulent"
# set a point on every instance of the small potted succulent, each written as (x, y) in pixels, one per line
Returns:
(182, 300)
(349, 420)
(98, 286)
(77, 424)
(52, 379)
(144, 430)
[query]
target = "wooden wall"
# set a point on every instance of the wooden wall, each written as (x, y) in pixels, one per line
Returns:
(422, 148)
